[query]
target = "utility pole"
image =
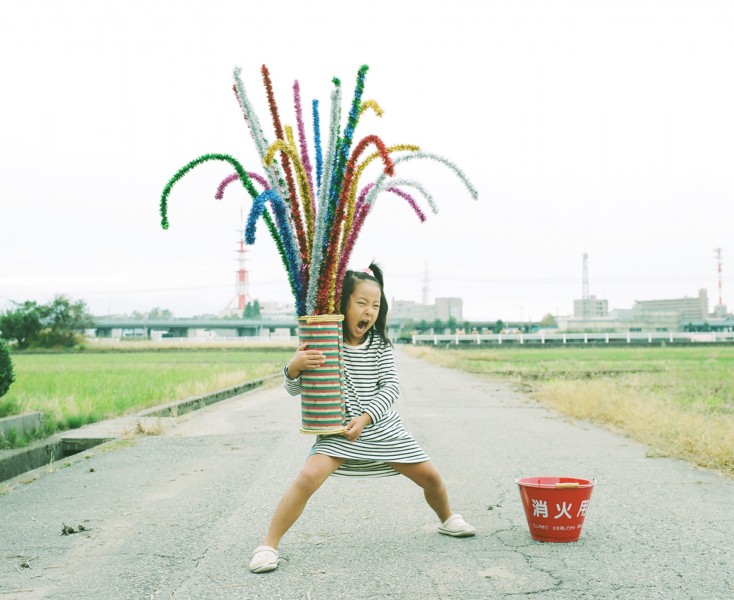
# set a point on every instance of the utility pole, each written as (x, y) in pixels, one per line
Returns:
(717, 252)
(585, 287)
(425, 285)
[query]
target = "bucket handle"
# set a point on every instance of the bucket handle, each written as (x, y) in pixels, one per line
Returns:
(567, 486)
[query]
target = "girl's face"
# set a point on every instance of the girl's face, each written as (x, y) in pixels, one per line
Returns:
(362, 310)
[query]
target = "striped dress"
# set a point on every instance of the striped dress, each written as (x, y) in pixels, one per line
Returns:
(371, 386)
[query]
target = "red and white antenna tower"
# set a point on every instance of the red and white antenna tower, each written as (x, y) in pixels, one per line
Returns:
(718, 270)
(238, 304)
(242, 286)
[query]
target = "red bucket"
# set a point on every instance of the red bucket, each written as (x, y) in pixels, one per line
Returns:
(555, 507)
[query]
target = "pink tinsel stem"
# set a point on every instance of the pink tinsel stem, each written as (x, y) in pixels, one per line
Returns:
(234, 177)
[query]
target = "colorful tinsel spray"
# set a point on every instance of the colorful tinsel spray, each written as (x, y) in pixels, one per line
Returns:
(315, 227)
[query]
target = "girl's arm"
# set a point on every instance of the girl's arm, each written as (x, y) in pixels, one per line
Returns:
(388, 386)
(302, 360)
(291, 385)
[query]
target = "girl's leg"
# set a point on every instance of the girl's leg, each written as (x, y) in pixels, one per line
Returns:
(314, 472)
(426, 475)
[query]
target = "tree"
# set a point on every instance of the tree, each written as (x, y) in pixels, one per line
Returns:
(499, 326)
(452, 323)
(65, 321)
(55, 324)
(405, 331)
(548, 321)
(252, 310)
(6, 369)
(160, 314)
(23, 324)
(438, 326)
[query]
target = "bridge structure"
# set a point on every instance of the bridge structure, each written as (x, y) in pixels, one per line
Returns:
(116, 327)
(466, 333)
(543, 338)
(128, 327)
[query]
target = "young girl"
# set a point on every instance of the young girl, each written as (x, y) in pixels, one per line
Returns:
(374, 442)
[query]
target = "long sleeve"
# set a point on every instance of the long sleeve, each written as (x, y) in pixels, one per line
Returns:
(377, 404)
(292, 386)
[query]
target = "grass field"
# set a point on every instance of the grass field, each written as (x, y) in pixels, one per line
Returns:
(74, 389)
(678, 401)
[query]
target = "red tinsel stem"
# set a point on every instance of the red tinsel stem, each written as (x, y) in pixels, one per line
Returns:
(295, 209)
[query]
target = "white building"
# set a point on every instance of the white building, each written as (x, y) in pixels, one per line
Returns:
(444, 309)
(646, 315)
(590, 308)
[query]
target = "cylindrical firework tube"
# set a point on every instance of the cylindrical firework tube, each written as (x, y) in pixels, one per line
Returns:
(322, 401)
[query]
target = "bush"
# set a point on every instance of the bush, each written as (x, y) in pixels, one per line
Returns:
(57, 324)
(6, 369)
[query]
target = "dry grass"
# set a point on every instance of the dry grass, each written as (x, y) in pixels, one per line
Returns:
(218, 381)
(693, 433)
(679, 403)
(149, 426)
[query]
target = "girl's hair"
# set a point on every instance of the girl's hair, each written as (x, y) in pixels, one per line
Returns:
(351, 278)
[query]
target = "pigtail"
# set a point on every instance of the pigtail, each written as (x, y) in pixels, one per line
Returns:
(377, 274)
(381, 322)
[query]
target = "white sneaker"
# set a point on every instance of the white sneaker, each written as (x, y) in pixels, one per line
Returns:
(264, 559)
(456, 526)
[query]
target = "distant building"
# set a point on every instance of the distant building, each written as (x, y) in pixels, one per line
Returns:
(449, 308)
(688, 309)
(720, 311)
(645, 315)
(444, 309)
(410, 310)
(590, 308)
(277, 311)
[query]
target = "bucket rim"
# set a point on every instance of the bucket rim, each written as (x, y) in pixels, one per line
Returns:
(308, 319)
(531, 482)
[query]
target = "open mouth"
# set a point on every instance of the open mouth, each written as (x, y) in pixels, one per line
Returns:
(362, 326)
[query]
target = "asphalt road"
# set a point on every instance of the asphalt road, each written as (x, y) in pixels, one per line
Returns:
(176, 515)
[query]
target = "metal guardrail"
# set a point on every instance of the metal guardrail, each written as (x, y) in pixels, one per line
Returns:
(273, 340)
(659, 337)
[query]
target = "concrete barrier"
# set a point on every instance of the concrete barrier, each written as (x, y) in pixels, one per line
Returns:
(181, 407)
(20, 460)
(21, 424)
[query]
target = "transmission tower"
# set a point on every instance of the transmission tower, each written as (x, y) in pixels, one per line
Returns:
(425, 285)
(585, 286)
(242, 286)
(717, 252)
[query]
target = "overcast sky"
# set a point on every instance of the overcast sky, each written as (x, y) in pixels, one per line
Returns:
(604, 128)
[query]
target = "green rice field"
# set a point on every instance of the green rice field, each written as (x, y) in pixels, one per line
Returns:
(74, 389)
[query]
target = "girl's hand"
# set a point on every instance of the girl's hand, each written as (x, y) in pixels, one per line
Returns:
(304, 360)
(355, 426)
